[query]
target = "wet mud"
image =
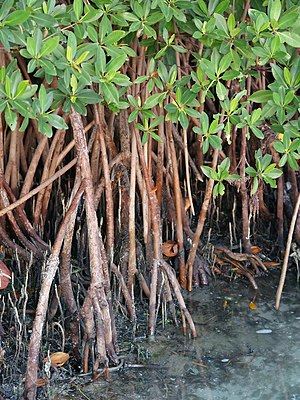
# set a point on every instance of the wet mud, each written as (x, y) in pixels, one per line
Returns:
(241, 352)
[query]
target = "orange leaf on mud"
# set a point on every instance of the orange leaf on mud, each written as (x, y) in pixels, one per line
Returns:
(58, 359)
(252, 306)
(255, 249)
(170, 248)
(5, 275)
(41, 382)
(271, 264)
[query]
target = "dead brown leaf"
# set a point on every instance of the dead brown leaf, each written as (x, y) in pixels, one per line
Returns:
(5, 275)
(252, 306)
(255, 249)
(170, 248)
(271, 264)
(58, 359)
(41, 382)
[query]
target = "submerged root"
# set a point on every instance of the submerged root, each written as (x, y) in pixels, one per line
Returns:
(248, 265)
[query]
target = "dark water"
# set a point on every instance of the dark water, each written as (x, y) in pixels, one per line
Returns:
(243, 353)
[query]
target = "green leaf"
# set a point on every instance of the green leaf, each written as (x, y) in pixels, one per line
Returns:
(205, 146)
(274, 9)
(23, 108)
(57, 121)
(24, 124)
(44, 20)
(21, 89)
(17, 18)
(10, 118)
(7, 86)
(132, 101)
(287, 76)
(289, 97)
(279, 147)
(231, 22)
(114, 37)
(261, 96)
(265, 162)
(257, 132)
(203, 7)
(116, 63)
(255, 116)
(225, 164)
(221, 91)
(215, 141)
(78, 8)
(155, 136)
(222, 6)
(31, 66)
(215, 127)
(224, 63)
(292, 163)
(145, 138)
(157, 121)
(183, 119)
(283, 160)
(192, 113)
(88, 96)
(254, 186)
(44, 128)
(221, 23)
(141, 79)
(133, 116)
(276, 173)
(48, 46)
(71, 46)
(82, 57)
(207, 171)
(5, 8)
(291, 38)
(251, 171)
(287, 19)
(153, 100)
(110, 92)
(42, 97)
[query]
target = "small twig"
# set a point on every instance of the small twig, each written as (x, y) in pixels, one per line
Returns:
(287, 254)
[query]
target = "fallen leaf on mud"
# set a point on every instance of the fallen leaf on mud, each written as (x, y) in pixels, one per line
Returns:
(271, 264)
(252, 306)
(41, 382)
(170, 248)
(58, 359)
(5, 275)
(255, 249)
(225, 304)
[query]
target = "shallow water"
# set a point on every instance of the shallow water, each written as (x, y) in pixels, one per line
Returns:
(234, 357)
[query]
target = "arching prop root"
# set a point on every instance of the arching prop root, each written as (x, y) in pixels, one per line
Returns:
(48, 275)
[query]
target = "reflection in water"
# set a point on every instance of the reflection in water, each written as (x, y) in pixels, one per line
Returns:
(240, 353)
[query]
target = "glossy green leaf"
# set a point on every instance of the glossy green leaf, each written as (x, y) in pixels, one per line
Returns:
(48, 46)
(78, 8)
(17, 18)
(261, 96)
